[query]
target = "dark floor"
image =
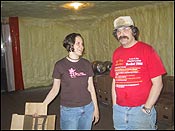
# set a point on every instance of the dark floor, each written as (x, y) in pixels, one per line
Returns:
(14, 102)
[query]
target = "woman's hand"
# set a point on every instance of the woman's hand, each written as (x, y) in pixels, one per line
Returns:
(35, 115)
(96, 116)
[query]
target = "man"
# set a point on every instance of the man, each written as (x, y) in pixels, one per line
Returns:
(137, 79)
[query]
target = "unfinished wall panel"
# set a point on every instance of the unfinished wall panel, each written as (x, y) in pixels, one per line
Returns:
(41, 40)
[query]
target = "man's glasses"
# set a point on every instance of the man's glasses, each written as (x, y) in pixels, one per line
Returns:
(123, 29)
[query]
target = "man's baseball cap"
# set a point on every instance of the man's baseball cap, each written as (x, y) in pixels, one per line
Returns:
(123, 21)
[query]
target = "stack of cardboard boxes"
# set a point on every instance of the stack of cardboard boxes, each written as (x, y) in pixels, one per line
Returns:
(103, 85)
(165, 103)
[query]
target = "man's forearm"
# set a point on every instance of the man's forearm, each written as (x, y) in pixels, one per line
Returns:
(154, 92)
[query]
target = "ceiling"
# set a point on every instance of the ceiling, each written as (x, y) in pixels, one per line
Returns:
(53, 9)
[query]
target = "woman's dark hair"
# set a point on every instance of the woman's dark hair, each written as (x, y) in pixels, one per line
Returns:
(69, 41)
(135, 32)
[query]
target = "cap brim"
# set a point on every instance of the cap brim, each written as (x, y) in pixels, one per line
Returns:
(122, 26)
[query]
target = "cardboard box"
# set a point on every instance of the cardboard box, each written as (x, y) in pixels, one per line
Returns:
(104, 97)
(168, 84)
(35, 107)
(165, 111)
(103, 86)
(103, 82)
(30, 122)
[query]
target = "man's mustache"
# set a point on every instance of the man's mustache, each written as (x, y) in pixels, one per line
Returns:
(121, 37)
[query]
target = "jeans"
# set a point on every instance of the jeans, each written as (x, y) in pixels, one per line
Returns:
(133, 118)
(76, 118)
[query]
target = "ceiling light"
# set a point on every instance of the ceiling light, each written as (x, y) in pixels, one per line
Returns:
(76, 5)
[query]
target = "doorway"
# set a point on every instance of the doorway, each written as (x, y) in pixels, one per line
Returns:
(7, 70)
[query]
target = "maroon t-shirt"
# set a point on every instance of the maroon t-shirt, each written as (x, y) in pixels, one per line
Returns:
(74, 81)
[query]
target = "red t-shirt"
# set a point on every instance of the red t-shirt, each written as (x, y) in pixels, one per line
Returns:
(133, 69)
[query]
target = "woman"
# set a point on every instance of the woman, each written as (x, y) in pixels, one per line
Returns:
(74, 74)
